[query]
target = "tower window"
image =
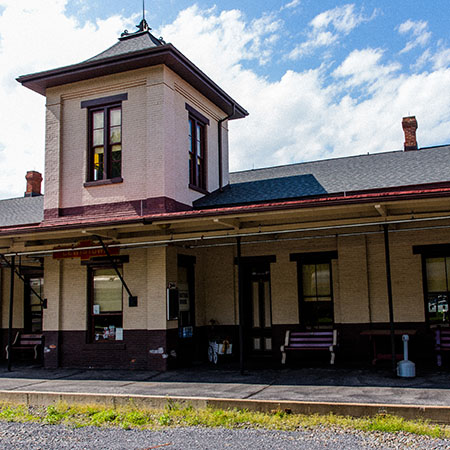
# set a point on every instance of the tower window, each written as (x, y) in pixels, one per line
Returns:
(105, 133)
(197, 149)
(105, 138)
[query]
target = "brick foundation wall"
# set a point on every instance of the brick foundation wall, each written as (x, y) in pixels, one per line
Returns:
(71, 349)
(131, 353)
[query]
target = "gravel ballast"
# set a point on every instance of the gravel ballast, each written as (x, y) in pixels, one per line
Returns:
(32, 436)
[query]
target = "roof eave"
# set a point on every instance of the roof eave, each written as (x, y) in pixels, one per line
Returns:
(441, 190)
(165, 54)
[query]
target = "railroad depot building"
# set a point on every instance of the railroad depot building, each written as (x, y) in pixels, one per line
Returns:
(144, 246)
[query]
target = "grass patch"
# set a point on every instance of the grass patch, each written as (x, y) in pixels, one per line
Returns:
(175, 415)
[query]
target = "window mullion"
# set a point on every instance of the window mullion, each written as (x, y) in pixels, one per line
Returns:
(106, 133)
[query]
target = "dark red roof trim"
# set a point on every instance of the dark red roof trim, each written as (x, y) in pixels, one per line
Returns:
(397, 194)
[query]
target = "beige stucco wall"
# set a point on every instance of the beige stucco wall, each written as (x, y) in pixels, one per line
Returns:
(52, 151)
(66, 292)
(353, 282)
(18, 305)
(72, 126)
(284, 289)
(220, 279)
(219, 285)
(154, 139)
(179, 94)
(359, 282)
(53, 277)
(359, 278)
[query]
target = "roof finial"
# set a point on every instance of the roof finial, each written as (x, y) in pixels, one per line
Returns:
(143, 26)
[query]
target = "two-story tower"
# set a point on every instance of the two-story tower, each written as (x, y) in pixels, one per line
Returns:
(136, 129)
(131, 133)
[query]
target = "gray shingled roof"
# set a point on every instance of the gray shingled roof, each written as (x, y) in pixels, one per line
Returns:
(353, 173)
(264, 190)
(129, 44)
(21, 211)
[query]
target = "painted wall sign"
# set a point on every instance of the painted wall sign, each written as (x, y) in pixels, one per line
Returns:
(83, 252)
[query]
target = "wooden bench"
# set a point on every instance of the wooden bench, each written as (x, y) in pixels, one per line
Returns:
(26, 342)
(442, 340)
(309, 340)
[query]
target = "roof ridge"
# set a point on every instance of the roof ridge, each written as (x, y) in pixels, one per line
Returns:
(340, 158)
(22, 197)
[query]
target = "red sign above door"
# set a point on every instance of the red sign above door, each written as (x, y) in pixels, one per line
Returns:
(83, 251)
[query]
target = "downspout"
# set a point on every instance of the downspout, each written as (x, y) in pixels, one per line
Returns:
(219, 127)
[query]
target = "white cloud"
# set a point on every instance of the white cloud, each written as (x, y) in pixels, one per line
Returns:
(303, 115)
(438, 55)
(342, 18)
(328, 27)
(419, 31)
(292, 4)
(219, 43)
(441, 59)
(364, 67)
(321, 39)
(36, 35)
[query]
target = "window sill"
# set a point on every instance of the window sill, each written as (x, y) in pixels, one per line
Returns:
(103, 182)
(198, 189)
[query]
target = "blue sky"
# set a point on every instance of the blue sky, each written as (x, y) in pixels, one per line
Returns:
(320, 78)
(381, 20)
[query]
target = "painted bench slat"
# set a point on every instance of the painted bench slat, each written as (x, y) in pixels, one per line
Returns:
(309, 340)
(442, 343)
(26, 342)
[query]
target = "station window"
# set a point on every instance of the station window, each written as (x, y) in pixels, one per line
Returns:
(105, 305)
(437, 271)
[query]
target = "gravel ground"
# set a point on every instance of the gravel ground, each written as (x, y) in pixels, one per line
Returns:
(36, 436)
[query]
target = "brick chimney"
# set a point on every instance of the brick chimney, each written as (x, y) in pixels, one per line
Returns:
(34, 180)
(409, 125)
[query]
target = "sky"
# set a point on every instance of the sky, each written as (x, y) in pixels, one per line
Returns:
(320, 78)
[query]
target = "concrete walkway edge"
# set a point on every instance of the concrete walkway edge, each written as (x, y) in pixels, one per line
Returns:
(435, 414)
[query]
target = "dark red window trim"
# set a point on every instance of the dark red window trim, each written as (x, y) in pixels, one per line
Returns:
(104, 101)
(107, 164)
(103, 182)
(111, 170)
(197, 152)
(200, 117)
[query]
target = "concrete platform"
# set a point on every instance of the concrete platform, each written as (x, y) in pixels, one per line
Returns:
(342, 391)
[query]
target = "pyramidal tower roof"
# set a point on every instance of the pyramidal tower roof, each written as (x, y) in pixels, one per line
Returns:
(142, 39)
(135, 51)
